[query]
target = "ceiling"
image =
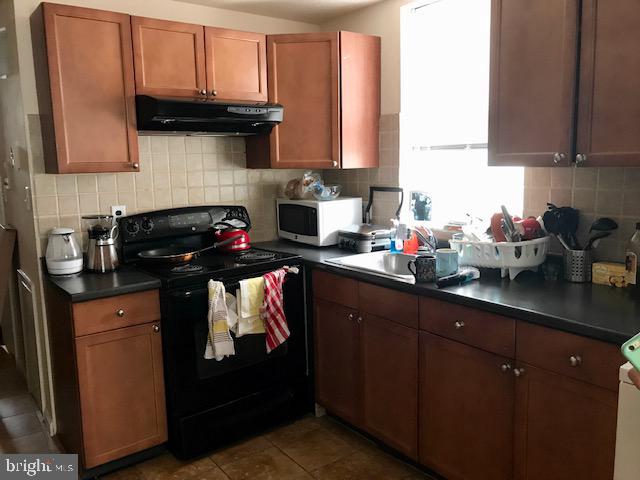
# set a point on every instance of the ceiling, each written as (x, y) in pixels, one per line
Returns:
(310, 11)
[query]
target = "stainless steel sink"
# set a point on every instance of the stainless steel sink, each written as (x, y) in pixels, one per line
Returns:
(384, 264)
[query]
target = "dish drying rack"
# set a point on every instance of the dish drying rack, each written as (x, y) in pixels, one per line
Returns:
(510, 257)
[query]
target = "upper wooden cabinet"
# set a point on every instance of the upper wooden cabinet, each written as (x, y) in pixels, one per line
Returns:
(169, 58)
(184, 60)
(84, 70)
(532, 83)
(609, 98)
(329, 85)
(236, 64)
(534, 80)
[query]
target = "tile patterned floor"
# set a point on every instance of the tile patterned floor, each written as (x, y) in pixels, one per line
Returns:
(21, 427)
(311, 448)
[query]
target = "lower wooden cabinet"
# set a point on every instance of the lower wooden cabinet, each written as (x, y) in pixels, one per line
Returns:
(563, 428)
(121, 384)
(466, 410)
(338, 360)
(449, 398)
(367, 370)
(108, 375)
(390, 382)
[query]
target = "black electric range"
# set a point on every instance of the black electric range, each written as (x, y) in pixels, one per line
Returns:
(211, 403)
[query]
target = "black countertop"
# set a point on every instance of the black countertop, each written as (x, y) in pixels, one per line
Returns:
(91, 286)
(596, 311)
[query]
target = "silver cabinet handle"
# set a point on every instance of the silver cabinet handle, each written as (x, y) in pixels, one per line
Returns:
(156, 328)
(505, 367)
(120, 312)
(202, 92)
(459, 324)
(351, 316)
(135, 166)
(580, 159)
(359, 320)
(559, 158)
(214, 93)
(518, 372)
(575, 360)
(334, 163)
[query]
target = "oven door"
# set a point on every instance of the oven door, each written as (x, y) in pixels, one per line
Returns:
(195, 384)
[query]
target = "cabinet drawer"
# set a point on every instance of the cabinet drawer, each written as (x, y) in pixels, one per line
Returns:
(383, 302)
(578, 357)
(110, 313)
(493, 333)
(336, 289)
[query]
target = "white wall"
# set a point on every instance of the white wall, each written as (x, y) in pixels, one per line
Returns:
(382, 19)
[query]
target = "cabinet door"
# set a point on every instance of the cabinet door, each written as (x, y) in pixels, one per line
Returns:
(532, 83)
(466, 411)
(91, 89)
(337, 360)
(121, 392)
(609, 100)
(564, 428)
(236, 64)
(304, 78)
(390, 382)
(169, 58)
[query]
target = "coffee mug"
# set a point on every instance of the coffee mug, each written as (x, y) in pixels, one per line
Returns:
(446, 262)
(424, 268)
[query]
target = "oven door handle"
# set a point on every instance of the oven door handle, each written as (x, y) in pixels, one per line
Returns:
(188, 293)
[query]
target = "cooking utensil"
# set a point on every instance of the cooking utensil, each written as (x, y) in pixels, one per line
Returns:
(508, 226)
(604, 225)
(563, 222)
(595, 237)
(179, 255)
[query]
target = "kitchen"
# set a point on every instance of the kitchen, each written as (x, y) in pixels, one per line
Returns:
(199, 122)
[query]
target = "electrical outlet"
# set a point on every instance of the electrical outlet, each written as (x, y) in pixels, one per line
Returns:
(119, 210)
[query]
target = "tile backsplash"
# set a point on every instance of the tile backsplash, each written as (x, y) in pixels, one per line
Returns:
(356, 182)
(596, 192)
(174, 172)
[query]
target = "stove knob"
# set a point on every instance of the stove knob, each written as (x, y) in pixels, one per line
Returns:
(147, 225)
(132, 227)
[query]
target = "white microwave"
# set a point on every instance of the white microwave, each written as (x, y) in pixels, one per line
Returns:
(316, 222)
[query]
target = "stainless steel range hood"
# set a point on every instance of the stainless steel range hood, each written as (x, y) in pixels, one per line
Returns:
(200, 116)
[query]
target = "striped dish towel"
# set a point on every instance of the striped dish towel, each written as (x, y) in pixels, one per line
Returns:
(219, 341)
(272, 310)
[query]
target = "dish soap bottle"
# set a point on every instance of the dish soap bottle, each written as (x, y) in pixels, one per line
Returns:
(631, 256)
(397, 239)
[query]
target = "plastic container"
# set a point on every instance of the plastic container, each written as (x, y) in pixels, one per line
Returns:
(511, 257)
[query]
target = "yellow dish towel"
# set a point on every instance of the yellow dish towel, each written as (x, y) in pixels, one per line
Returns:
(251, 297)
(247, 325)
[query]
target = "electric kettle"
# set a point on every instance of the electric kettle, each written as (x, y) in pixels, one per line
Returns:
(63, 255)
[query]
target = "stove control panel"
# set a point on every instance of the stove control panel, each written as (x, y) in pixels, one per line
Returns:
(177, 222)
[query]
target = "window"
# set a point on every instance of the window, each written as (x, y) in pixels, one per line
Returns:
(445, 99)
